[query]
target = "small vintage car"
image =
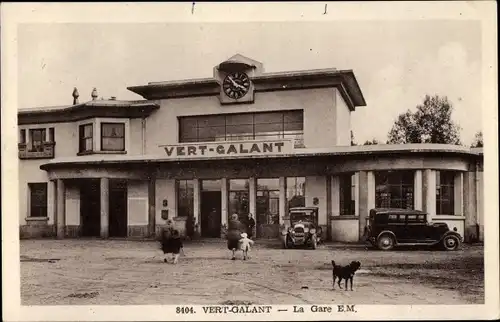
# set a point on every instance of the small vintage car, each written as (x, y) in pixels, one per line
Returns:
(389, 227)
(303, 229)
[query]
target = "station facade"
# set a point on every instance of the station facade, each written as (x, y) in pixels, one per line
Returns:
(243, 141)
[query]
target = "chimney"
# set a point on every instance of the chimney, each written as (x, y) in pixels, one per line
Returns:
(94, 94)
(75, 96)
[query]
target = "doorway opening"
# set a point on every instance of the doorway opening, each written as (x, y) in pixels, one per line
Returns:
(211, 207)
(90, 207)
(118, 217)
(267, 208)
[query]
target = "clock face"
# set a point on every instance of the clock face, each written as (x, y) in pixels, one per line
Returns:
(236, 85)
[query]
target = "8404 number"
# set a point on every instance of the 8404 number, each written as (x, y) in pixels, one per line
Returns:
(184, 310)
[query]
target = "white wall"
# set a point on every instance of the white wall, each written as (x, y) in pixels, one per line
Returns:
(72, 193)
(316, 188)
(165, 189)
(343, 120)
(318, 106)
(137, 208)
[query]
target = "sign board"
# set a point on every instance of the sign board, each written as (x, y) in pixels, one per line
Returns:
(219, 149)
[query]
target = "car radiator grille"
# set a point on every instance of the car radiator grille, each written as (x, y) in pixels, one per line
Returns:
(299, 232)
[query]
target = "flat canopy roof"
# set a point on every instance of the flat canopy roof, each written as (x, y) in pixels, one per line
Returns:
(363, 150)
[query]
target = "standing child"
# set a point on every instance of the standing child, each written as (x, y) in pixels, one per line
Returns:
(245, 244)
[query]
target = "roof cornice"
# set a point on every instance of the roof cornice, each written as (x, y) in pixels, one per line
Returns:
(344, 80)
(72, 113)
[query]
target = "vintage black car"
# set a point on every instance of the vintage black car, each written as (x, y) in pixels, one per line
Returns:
(303, 229)
(388, 227)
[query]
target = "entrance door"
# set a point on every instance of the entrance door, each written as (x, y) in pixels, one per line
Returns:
(118, 209)
(211, 213)
(90, 207)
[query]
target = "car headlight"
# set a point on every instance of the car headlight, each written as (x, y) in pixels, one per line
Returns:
(312, 230)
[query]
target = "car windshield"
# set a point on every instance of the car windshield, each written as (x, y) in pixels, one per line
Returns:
(301, 216)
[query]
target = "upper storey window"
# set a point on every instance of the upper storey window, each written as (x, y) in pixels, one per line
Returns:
(112, 136)
(242, 126)
(86, 137)
(100, 135)
(36, 143)
(37, 137)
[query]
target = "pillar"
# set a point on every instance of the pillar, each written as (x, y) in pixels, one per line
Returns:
(152, 207)
(252, 196)
(61, 209)
(362, 188)
(282, 202)
(52, 202)
(335, 196)
(224, 201)
(417, 190)
(370, 179)
(356, 194)
(458, 207)
(104, 207)
(197, 203)
(471, 230)
(429, 183)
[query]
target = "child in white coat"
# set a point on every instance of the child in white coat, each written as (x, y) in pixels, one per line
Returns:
(245, 244)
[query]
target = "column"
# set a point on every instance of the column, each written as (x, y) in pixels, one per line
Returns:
(370, 179)
(152, 206)
(417, 190)
(356, 194)
(224, 201)
(362, 187)
(334, 206)
(61, 209)
(252, 196)
(469, 193)
(104, 207)
(335, 195)
(429, 181)
(197, 203)
(458, 192)
(282, 203)
(52, 202)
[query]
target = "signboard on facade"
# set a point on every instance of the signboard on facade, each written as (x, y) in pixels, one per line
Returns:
(219, 149)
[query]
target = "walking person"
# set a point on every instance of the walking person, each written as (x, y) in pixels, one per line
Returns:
(234, 230)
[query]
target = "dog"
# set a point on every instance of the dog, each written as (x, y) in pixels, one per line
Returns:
(245, 244)
(171, 243)
(344, 273)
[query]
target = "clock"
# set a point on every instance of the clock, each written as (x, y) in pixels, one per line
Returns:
(236, 85)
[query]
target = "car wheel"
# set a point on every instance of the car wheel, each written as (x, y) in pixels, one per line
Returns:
(314, 242)
(451, 243)
(385, 242)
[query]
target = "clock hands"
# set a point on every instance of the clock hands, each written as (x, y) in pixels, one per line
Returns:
(235, 83)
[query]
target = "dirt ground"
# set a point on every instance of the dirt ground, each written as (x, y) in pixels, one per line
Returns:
(88, 272)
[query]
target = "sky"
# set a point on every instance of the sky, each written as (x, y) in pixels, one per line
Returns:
(396, 63)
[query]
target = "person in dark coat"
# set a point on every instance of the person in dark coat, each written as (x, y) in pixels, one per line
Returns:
(250, 224)
(234, 230)
(171, 242)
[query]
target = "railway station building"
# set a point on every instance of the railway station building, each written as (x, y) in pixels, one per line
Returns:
(243, 141)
